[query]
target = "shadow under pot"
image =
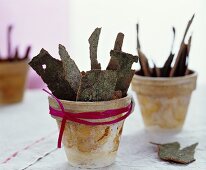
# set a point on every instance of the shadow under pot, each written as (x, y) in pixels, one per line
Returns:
(12, 81)
(89, 146)
(164, 101)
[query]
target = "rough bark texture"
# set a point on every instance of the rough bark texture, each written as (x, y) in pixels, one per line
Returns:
(71, 71)
(171, 152)
(97, 85)
(119, 42)
(52, 73)
(93, 42)
(122, 62)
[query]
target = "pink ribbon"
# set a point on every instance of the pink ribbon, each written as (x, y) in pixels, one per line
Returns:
(82, 117)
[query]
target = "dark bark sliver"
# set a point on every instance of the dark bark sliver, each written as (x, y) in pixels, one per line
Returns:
(144, 63)
(181, 54)
(167, 66)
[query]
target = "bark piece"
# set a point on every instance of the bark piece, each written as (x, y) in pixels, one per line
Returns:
(124, 80)
(16, 55)
(173, 39)
(182, 66)
(171, 152)
(187, 28)
(71, 71)
(117, 95)
(156, 71)
(138, 42)
(167, 66)
(188, 52)
(174, 71)
(180, 63)
(122, 62)
(9, 41)
(27, 53)
(144, 63)
(93, 42)
(13, 54)
(189, 45)
(97, 85)
(51, 72)
(119, 42)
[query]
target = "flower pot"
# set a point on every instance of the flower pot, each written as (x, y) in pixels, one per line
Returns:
(164, 101)
(89, 146)
(12, 81)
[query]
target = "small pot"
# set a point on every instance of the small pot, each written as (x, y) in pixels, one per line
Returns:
(164, 101)
(12, 81)
(91, 146)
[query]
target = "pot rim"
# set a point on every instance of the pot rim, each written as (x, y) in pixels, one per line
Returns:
(165, 79)
(129, 96)
(6, 62)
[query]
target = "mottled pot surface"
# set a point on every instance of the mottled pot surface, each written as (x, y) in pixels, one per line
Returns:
(164, 101)
(12, 81)
(91, 146)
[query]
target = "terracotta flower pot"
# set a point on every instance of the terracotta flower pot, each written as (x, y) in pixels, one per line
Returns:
(12, 81)
(91, 146)
(164, 101)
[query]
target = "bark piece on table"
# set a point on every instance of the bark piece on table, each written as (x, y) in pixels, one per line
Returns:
(171, 152)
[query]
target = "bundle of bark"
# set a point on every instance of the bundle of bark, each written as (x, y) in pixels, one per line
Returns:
(180, 67)
(13, 55)
(65, 80)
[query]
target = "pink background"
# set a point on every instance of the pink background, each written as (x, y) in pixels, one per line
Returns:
(40, 23)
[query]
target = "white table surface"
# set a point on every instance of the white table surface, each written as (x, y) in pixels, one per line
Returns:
(28, 129)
